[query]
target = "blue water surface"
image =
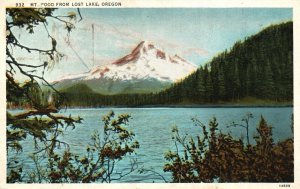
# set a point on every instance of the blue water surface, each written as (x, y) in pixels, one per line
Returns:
(152, 128)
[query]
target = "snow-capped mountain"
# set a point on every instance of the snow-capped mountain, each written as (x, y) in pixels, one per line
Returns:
(146, 68)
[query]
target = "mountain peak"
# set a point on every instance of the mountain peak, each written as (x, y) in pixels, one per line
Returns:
(146, 60)
(142, 48)
(146, 49)
(147, 45)
(146, 63)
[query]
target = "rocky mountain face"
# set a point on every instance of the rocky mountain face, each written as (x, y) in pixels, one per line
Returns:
(146, 69)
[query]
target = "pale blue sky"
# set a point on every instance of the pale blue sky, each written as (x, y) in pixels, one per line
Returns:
(196, 34)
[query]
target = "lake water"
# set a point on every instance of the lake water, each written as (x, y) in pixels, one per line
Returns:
(153, 126)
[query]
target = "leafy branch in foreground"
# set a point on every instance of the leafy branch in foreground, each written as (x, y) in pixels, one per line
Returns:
(220, 157)
(245, 119)
(101, 159)
(39, 118)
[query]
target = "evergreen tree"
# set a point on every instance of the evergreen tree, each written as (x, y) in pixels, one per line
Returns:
(221, 85)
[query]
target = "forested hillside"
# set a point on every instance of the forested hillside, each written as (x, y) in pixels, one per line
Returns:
(260, 67)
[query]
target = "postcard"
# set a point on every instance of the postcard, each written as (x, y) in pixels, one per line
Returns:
(149, 94)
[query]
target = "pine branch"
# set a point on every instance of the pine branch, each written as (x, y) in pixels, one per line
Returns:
(41, 112)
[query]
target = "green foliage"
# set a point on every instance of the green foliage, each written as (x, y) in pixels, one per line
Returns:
(28, 18)
(78, 88)
(222, 158)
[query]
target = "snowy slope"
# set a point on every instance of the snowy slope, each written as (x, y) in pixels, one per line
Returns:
(146, 63)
